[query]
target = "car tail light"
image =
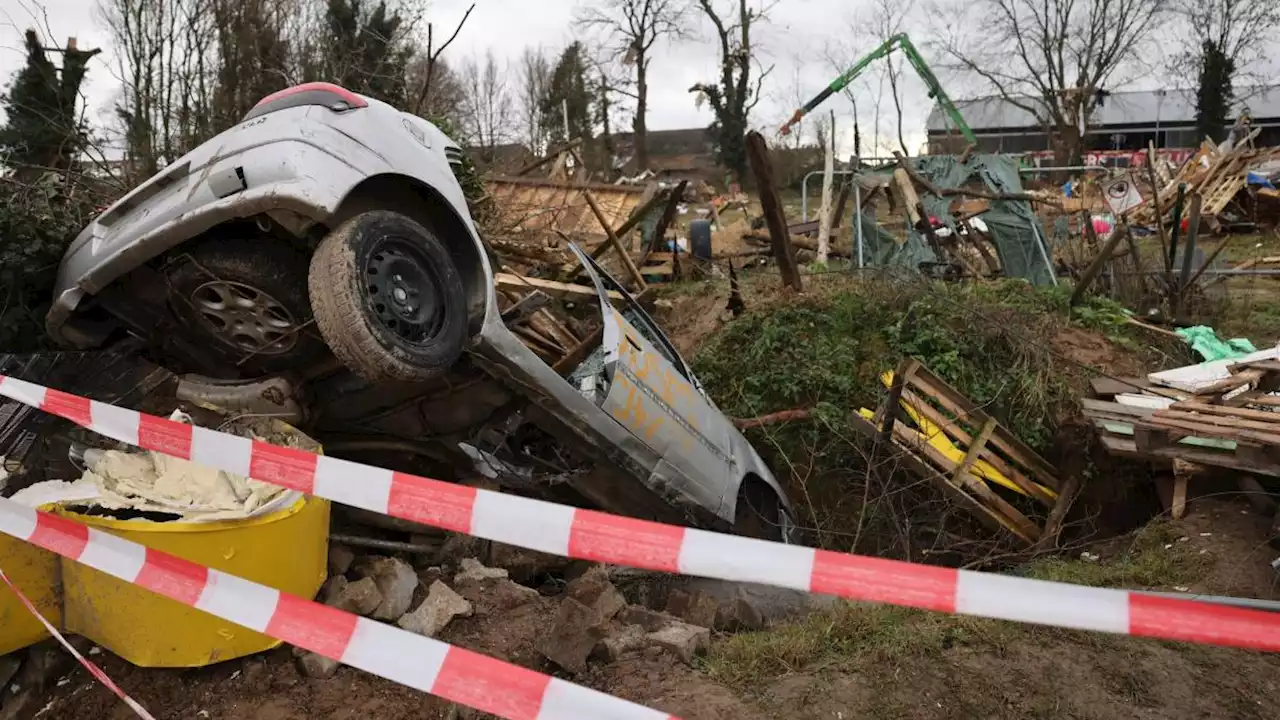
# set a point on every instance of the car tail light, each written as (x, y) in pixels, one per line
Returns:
(334, 97)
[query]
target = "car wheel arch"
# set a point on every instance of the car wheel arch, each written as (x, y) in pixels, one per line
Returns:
(755, 491)
(425, 205)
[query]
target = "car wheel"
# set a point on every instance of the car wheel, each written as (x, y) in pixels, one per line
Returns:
(759, 512)
(248, 299)
(388, 299)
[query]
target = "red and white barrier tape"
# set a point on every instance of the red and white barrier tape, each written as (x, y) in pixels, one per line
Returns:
(459, 675)
(88, 664)
(596, 536)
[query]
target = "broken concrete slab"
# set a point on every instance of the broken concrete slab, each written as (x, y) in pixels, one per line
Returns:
(436, 612)
(612, 647)
(472, 571)
(395, 579)
(773, 604)
(341, 558)
(686, 641)
(595, 591)
(576, 631)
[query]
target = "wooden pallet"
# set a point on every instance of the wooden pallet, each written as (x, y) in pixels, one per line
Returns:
(921, 410)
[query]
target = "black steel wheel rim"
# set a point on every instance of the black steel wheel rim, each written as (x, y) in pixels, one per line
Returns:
(402, 290)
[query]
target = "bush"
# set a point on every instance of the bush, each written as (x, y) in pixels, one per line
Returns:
(827, 350)
(37, 223)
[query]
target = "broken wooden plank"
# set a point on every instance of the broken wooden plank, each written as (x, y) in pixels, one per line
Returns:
(627, 263)
(771, 205)
(976, 448)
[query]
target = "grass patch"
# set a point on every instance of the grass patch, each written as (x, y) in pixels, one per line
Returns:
(1155, 559)
(843, 638)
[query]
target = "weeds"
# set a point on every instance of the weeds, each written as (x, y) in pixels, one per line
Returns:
(1155, 559)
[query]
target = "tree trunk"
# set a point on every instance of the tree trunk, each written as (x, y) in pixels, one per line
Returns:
(639, 125)
(828, 172)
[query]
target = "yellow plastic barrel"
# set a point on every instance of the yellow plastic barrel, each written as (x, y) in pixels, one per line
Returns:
(286, 550)
(34, 572)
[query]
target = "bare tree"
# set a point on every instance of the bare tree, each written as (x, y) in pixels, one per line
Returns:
(734, 96)
(1051, 57)
(534, 77)
(630, 29)
(488, 104)
(1244, 31)
(431, 58)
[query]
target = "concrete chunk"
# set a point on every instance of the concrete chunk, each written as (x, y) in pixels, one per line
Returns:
(650, 620)
(437, 611)
(317, 666)
(395, 579)
(686, 641)
(341, 558)
(594, 590)
(508, 595)
(576, 631)
(472, 571)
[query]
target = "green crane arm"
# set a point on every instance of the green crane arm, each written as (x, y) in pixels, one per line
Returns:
(897, 42)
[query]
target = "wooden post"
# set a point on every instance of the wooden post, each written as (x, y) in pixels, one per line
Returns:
(774, 216)
(1100, 260)
(631, 222)
(828, 176)
(627, 263)
(885, 419)
(1155, 206)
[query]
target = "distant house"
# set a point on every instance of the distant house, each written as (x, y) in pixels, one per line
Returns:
(674, 155)
(501, 158)
(1123, 122)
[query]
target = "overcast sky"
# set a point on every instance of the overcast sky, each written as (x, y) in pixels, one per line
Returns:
(797, 41)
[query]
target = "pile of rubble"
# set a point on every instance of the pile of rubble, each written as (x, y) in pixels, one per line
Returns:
(578, 614)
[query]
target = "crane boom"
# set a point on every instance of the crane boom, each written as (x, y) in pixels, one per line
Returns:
(897, 42)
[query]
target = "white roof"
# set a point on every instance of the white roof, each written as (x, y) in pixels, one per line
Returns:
(1120, 108)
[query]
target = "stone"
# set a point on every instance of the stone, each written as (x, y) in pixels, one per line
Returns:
(685, 640)
(472, 571)
(594, 590)
(395, 579)
(361, 597)
(612, 647)
(576, 631)
(738, 615)
(696, 608)
(341, 558)
(650, 620)
(508, 595)
(437, 611)
(428, 575)
(317, 666)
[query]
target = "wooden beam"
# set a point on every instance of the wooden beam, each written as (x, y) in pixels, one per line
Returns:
(774, 216)
(1099, 260)
(568, 291)
(614, 240)
(575, 356)
(975, 449)
(888, 412)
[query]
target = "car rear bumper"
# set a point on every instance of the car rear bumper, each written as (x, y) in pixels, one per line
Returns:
(288, 179)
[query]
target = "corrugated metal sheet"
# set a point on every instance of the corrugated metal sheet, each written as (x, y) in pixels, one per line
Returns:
(1121, 108)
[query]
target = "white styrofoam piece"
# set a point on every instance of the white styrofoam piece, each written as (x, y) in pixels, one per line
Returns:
(1193, 377)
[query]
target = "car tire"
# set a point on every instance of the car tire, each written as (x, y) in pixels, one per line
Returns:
(759, 512)
(388, 299)
(239, 294)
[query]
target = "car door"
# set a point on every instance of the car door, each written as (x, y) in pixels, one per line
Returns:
(655, 396)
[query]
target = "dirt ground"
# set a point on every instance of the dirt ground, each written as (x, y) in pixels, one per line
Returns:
(857, 662)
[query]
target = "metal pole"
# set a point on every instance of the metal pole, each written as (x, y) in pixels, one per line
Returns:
(857, 209)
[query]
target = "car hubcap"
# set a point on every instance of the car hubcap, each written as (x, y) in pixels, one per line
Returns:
(403, 291)
(245, 317)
